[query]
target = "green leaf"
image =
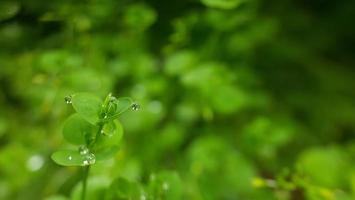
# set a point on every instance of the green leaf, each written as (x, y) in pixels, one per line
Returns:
(139, 16)
(327, 167)
(123, 189)
(118, 106)
(123, 104)
(68, 158)
(180, 62)
(223, 4)
(108, 142)
(165, 185)
(88, 106)
(76, 130)
(8, 9)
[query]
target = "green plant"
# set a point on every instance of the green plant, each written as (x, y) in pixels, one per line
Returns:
(94, 128)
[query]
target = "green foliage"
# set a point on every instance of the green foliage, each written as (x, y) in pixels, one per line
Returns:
(225, 4)
(165, 185)
(332, 161)
(94, 126)
(87, 106)
(240, 99)
(121, 188)
(76, 130)
(109, 144)
(8, 9)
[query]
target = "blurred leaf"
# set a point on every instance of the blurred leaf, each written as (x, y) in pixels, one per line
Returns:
(139, 16)
(325, 166)
(207, 160)
(122, 189)
(228, 99)
(96, 188)
(56, 197)
(180, 62)
(225, 4)
(8, 9)
(165, 185)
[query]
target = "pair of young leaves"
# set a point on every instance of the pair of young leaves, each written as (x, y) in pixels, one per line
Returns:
(93, 127)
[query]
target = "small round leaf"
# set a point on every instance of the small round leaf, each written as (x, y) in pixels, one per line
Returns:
(120, 105)
(68, 158)
(108, 142)
(88, 106)
(76, 130)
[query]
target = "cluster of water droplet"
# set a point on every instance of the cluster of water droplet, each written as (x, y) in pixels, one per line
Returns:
(89, 157)
(112, 98)
(83, 150)
(67, 99)
(135, 106)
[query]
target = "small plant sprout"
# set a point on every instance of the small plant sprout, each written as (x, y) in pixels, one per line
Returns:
(94, 128)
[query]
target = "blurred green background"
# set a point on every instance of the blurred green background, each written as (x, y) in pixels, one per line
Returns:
(240, 99)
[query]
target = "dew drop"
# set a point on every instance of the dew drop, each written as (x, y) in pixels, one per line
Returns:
(83, 150)
(135, 106)
(67, 99)
(70, 158)
(112, 99)
(89, 159)
(85, 162)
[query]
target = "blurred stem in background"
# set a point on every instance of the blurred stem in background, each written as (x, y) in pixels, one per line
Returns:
(86, 171)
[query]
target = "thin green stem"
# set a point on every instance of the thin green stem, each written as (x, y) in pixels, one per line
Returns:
(87, 168)
(92, 143)
(85, 178)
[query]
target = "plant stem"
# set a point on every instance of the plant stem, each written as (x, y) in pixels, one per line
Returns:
(92, 143)
(87, 168)
(85, 178)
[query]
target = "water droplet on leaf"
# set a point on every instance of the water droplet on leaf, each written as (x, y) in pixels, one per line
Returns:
(83, 150)
(112, 99)
(70, 158)
(89, 159)
(135, 106)
(67, 99)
